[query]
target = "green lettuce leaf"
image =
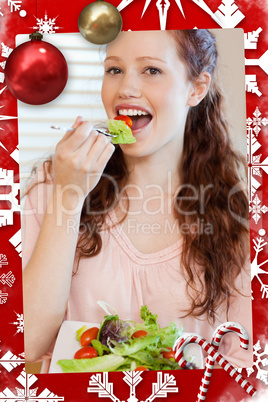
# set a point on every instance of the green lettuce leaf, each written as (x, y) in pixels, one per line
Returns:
(97, 364)
(122, 131)
(134, 345)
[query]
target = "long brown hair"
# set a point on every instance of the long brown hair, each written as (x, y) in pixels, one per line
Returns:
(209, 162)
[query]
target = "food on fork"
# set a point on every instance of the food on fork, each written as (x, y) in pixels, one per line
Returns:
(121, 127)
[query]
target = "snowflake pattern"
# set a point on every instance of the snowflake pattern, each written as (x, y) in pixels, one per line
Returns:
(251, 84)
(259, 361)
(14, 5)
(251, 41)
(255, 167)
(15, 240)
(27, 393)
(165, 384)
(256, 269)
(46, 25)
(262, 62)
(3, 297)
(7, 179)
(19, 323)
(257, 121)
(10, 361)
(227, 16)
(5, 50)
(257, 209)
(3, 260)
(7, 279)
(251, 38)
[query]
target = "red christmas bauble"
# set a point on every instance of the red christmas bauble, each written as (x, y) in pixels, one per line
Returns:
(36, 72)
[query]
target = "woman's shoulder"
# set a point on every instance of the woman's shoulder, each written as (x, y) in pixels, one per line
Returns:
(42, 173)
(38, 188)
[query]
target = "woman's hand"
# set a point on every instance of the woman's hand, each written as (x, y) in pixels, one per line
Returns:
(79, 161)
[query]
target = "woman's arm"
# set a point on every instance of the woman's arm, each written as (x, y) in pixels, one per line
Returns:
(78, 163)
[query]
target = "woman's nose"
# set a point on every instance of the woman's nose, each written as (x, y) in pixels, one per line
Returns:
(129, 87)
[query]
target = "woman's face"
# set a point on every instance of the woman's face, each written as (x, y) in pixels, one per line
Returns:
(145, 80)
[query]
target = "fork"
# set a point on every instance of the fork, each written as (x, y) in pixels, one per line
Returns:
(72, 129)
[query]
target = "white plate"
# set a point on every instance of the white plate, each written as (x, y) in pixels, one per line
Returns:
(67, 345)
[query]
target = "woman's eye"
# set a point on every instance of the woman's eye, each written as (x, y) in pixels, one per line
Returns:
(153, 71)
(113, 71)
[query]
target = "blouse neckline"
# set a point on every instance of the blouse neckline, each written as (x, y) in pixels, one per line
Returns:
(125, 243)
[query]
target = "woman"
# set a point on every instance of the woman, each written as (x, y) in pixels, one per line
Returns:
(159, 222)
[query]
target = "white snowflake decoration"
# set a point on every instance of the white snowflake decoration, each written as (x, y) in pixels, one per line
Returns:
(15, 154)
(28, 393)
(262, 374)
(256, 270)
(19, 323)
(10, 361)
(255, 167)
(15, 5)
(227, 16)
(165, 384)
(251, 38)
(257, 121)
(3, 297)
(162, 6)
(5, 50)
(3, 260)
(15, 240)
(257, 209)
(46, 25)
(251, 41)
(7, 279)
(7, 179)
(252, 85)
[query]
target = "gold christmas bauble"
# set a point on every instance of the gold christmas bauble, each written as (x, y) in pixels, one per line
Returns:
(100, 22)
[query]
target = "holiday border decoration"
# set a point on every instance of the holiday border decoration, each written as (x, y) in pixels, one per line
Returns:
(216, 339)
(188, 338)
(165, 384)
(167, 14)
(27, 393)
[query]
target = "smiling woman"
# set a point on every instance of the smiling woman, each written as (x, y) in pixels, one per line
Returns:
(180, 176)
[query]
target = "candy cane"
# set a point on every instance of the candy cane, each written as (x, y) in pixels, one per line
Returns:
(216, 339)
(185, 339)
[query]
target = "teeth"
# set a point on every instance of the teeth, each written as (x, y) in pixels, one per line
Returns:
(132, 112)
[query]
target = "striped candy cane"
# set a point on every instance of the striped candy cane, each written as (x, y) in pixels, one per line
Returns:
(185, 339)
(216, 339)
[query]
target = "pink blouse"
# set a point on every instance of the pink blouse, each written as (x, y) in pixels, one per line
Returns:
(127, 279)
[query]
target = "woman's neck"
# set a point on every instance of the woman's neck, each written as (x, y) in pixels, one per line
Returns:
(151, 173)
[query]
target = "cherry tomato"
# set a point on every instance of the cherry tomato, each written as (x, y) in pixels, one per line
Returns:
(169, 355)
(139, 334)
(87, 352)
(88, 335)
(125, 119)
(141, 368)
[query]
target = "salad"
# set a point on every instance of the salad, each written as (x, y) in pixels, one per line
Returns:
(120, 345)
(121, 127)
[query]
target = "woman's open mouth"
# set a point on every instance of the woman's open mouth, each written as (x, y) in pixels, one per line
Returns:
(140, 118)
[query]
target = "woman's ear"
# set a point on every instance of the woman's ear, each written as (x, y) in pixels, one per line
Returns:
(199, 89)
